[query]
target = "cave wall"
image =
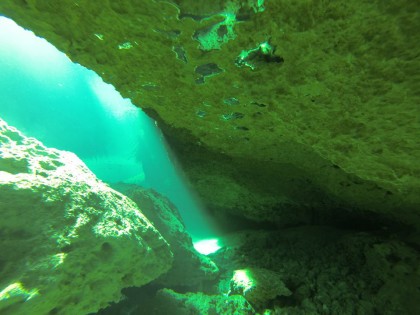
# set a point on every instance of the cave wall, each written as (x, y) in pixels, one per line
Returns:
(328, 117)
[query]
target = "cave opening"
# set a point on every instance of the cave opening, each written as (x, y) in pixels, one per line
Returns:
(68, 107)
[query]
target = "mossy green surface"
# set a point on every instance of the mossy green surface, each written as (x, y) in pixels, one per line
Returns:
(170, 302)
(346, 94)
(68, 242)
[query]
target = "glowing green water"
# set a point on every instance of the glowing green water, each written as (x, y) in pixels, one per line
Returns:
(69, 107)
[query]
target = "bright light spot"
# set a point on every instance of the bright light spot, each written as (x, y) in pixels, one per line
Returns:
(58, 259)
(207, 247)
(126, 45)
(242, 280)
(16, 290)
(99, 36)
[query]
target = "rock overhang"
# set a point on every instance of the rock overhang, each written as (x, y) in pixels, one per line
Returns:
(329, 107)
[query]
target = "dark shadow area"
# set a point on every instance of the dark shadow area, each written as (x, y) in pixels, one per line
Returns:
(136, 301)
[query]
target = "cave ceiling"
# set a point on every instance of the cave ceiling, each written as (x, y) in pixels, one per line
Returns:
(275, 81)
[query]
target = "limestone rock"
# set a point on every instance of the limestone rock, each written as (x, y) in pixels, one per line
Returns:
(190, 268)
(68, 243)
(170, 302)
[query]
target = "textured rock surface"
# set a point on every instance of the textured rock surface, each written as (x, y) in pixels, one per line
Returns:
(339, 115)
(68, 243)
(328, 271)
(189, 267)
(170, 302)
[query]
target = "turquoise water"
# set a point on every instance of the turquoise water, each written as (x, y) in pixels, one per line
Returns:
(68, 107)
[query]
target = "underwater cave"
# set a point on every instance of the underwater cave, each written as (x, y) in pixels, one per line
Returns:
(190, 157)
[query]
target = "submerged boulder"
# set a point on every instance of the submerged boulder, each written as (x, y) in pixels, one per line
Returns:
(170, 302)
(69, 243)
(190, 268)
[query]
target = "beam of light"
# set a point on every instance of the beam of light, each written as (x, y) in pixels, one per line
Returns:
(69, 107)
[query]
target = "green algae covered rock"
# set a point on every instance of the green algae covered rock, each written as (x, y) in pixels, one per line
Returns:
(328, 89)
(171, 302)
(189, 268)
(322, 270)
(68, 242)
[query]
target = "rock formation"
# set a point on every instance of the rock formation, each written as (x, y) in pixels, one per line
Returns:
(69, 243)
(170, 302)
(190, 268)
(281, 107)
(321, 270)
